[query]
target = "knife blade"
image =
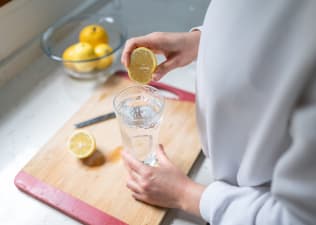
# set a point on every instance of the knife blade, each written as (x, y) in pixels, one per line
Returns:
(94, 120)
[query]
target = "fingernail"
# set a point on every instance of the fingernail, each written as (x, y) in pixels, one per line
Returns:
(156, 77)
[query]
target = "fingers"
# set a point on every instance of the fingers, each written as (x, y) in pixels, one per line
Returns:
(161, 155)
(138, 187)
(129, 47)
(165, 67)
(133, 186)
(136, 184)
(140, 197)
(144, 41)
(133, 164)
(133, 175)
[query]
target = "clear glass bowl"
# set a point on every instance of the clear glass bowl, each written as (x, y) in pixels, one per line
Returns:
(64, 33)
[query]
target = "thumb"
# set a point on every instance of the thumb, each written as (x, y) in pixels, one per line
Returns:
(161, 154)
(164, 67)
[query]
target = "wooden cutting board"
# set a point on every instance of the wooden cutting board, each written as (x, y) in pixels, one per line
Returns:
(93, 190)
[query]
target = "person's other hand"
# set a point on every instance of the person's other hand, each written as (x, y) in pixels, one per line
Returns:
(179, 49)
(164, 185)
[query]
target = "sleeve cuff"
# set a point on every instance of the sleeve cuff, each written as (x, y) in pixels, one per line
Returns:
(212, 202)
(200, 28)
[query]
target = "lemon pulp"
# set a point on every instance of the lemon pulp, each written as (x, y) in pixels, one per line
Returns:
(81, 143)
(143, 63)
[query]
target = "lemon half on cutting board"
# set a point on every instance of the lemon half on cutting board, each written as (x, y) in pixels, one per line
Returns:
(142, 64)
(81, 143)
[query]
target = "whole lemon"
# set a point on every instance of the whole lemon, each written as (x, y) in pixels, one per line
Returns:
(77, 52)
(69, 55)
(103, 50)
(94, 34)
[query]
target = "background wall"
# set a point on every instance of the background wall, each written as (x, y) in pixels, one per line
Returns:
(23, 21)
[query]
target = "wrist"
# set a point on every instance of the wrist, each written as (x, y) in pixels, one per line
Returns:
(190, 197)
(194, 42)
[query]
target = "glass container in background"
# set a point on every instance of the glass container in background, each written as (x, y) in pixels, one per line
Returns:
(64, 33)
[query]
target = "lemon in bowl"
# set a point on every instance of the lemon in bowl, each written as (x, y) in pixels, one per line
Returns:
(101, 50)
(94, 34)
(80, 51)
(75, 43)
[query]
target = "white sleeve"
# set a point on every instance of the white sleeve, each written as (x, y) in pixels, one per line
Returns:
(291, 198)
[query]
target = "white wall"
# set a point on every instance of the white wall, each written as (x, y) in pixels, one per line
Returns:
(22, 20)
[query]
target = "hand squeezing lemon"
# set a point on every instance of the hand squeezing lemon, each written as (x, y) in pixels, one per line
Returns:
(142, 65)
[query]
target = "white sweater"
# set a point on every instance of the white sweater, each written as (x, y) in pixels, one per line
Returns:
(256, 104)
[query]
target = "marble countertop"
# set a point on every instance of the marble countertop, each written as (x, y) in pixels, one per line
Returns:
(37, 102)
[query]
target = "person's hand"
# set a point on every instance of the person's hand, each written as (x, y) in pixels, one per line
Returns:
(179, 49)
(164, 185)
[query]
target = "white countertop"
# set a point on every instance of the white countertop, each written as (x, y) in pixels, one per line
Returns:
(36, 103)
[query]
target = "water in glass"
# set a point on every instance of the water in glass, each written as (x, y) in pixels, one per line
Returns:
(140, 114)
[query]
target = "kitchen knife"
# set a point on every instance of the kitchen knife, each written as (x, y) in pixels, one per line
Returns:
(94, 120)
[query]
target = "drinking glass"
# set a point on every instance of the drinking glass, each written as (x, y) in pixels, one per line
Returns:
(139, 112)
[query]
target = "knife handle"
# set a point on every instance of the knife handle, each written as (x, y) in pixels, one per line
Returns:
(95, 120)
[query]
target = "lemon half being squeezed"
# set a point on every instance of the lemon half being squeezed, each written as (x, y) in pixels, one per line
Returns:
(142, 64)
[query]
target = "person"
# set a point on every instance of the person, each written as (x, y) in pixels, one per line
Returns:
(256, 113)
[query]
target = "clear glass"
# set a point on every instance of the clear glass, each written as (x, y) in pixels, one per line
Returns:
(139, 111)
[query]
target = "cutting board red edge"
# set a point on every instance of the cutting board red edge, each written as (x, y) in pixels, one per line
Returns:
(63, 202)
(67, 203)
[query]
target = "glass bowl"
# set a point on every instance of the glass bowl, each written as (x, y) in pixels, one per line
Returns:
(64, 33)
